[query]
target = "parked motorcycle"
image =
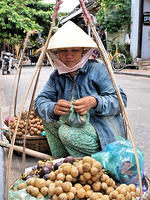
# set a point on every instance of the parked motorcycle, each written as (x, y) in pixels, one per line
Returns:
(8, 63)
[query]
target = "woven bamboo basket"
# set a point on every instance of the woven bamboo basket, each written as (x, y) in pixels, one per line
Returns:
(38, 142)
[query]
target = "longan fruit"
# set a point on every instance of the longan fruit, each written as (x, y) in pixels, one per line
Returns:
(86, 167)
(123, 190)
(86, 176)
(120, 197)
(95, 178)
(81, 178)
(31, 117)
(78, 186)
(88, 193)
(61, 177)
(104, 186)
(44, 191)
(67, 186)
(48, 182)
(90, 182)
(94, 171)
(98, 165)
(138, 192)
(133, 194)
(58, 190)
(73, 190)
(80, 168)
(109, 190)
(38, 132)
(66, 170)
(96, 186)
(95, 195)
(132, 187)
(21, 186)
(29, 188)
(87, 187)
(128, 196)
(69, 178)
(31, 132)
(34, 191)
(54, 197)
(59, 183)
(39, 196)
(21, 126)
(39, 182)
(74, 172)
(51, 189)
(104, 177)
(114, 194)
(62, 196)
(80, 193)
(30, 181)
(87, 159)
(70, 195)
(105, 197)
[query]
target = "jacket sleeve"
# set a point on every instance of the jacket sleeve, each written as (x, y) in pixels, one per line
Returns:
(108, 103)
(46, 100)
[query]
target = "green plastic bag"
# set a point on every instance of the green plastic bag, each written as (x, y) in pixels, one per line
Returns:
(74, 119)
(118, 159)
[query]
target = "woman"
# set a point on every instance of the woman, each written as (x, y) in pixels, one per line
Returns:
(79, 86)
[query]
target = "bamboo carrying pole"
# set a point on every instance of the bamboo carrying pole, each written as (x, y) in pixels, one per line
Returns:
(38, 66)
(29, 152)
(27, 122)
(111, 73)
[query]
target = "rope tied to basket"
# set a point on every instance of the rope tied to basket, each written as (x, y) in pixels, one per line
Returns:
(107, 62)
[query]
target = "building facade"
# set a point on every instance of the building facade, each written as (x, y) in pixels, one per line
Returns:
(140, 29)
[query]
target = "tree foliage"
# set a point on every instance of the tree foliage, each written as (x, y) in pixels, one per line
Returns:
(114, 15)
(17, 17)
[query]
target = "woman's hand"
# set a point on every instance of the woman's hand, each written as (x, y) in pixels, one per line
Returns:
(83, 105)
(62, 107)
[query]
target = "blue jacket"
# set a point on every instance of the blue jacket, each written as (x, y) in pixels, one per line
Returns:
(91, 80)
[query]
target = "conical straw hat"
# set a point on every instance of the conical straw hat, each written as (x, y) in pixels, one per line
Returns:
(70, 35)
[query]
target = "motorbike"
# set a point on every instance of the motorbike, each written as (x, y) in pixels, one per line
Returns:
(8, 63)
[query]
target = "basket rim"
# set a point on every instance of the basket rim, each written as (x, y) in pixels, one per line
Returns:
(31, 137)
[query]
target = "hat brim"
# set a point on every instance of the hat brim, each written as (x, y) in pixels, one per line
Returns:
(70, 35)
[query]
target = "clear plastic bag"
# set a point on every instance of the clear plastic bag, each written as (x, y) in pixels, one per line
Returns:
(21, 194)
(118, 159)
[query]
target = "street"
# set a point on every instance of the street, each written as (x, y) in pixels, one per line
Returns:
(138, 109)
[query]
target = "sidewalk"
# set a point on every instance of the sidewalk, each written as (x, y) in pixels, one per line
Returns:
(134, 72)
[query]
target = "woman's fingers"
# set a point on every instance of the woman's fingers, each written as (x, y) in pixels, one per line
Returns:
(62, 107)
(84, 104)
(64, 103)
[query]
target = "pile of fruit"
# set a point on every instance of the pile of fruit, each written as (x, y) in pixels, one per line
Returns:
(35, 126)
(75, 179)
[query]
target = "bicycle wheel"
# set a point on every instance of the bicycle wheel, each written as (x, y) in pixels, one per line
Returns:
(118, 62)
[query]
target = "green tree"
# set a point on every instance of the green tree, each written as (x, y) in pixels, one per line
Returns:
(114, 15)
(17, 17)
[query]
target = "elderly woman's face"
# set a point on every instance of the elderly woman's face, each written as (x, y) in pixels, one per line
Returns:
(70, 56)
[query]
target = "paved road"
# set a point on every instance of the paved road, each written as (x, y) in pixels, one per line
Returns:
(138, 109)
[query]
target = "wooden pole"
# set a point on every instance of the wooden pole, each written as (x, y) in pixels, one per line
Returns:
(38, 65)
(29, 152)
(111, 73)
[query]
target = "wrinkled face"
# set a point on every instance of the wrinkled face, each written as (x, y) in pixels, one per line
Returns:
(70, 56)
